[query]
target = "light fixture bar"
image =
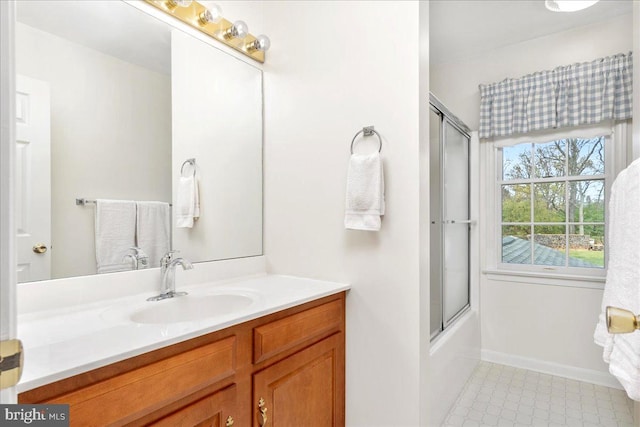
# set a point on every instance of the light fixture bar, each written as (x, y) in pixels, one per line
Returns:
(191, 14)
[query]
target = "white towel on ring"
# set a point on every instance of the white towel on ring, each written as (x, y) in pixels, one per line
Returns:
(622, 287)
(187, 202)
(365, 192)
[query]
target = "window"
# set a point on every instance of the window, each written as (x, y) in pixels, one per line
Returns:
(552, 203)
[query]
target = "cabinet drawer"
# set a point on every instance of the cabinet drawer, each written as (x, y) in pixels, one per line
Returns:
(138, 392)
(307, 326)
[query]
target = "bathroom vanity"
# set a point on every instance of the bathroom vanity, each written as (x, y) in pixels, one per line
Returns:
(278, 361)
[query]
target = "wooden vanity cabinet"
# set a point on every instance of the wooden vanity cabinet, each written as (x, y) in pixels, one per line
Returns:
(306, 388)
(284, 369)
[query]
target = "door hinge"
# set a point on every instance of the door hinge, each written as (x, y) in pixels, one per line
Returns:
(11, 362)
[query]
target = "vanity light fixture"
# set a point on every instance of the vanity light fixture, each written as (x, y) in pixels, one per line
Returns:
(172, 4)
(238, 30)
(568, 5)
(206, 17)
(212, 13)
(261, 43)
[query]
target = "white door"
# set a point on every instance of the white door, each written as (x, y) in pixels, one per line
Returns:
(7, 148)
(33, 180)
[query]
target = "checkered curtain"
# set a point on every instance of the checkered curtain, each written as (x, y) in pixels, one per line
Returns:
(578, 94)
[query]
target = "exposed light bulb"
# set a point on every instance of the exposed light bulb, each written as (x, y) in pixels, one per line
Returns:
(568, 5)
(212, 13)
(261, 43)
(238, 30)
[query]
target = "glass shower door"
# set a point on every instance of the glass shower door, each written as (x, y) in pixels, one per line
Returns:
(449, 217)
(456, 221)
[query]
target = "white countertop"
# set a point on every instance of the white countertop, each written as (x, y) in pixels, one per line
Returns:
(64, 342)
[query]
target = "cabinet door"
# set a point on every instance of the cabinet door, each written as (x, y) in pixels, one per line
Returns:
(305, 389)
(216, 410)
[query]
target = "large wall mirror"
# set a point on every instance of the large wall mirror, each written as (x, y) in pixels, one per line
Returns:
(111, 102)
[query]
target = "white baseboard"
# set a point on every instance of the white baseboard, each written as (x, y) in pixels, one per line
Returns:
(565, 371)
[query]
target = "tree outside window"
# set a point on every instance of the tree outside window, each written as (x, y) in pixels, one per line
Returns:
(553, 199)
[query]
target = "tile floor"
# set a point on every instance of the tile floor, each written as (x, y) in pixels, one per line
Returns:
(498, 395)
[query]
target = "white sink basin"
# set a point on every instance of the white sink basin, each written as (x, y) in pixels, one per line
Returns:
(190, 308)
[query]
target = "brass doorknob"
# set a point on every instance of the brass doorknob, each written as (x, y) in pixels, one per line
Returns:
(620, 321)
(40, 248)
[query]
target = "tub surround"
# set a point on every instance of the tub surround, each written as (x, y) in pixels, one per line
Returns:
(81, 335)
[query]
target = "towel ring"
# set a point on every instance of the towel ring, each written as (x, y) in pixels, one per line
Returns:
(367, 131)
(192, 162)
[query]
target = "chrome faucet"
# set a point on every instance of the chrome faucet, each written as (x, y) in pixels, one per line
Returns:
(139, 259)
(168, 269)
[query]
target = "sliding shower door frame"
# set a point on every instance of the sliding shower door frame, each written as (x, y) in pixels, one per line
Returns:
(446, 117)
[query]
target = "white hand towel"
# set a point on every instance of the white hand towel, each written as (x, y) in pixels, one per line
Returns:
(153, 232)
(622, 288)
(187, 202)
(365, 192)
(115, 230)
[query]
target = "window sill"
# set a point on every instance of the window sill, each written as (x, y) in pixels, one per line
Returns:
(548, 279)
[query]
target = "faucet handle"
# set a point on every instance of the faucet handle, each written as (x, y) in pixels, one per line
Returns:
(168, 257)
(138, 251)
(142, 259)
(134, 260)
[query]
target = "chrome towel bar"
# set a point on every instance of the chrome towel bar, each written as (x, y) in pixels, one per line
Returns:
(84, 202)
(367, 131)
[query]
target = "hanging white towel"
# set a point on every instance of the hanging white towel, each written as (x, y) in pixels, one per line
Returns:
(365, 192)
(187, 202)
(153, 232)
(115, 229)
(622, 288)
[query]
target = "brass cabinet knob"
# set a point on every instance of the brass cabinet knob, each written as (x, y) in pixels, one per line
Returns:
(262, 420)
(39, 248)
(229, 422)
(621, 321)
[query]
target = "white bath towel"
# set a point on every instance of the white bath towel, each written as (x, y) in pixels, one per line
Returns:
(187, 202)
(365, 192)
(153, 230)
(622, 288)
(115, 231)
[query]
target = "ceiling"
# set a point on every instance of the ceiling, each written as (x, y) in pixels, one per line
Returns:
(465, 28)
(111, 27)
(458, 28)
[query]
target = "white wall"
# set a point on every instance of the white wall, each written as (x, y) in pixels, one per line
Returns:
(97, 105)
(225, 138)
(538, 326)
(547, 324)
(332, 69)
(456, 83)
(424, 220)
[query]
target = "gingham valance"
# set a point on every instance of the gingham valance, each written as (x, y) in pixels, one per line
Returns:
(577, 94)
